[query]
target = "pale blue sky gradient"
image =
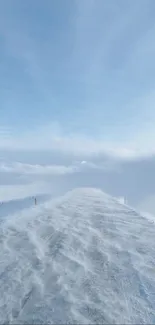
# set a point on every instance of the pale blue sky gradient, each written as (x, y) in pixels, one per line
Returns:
(87, 65)
(77, 82)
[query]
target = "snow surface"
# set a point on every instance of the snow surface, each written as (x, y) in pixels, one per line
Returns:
(84, 258)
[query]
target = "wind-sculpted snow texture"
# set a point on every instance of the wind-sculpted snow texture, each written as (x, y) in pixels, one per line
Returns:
(81, 259)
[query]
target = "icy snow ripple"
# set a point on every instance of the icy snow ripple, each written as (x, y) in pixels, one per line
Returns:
(83, 258)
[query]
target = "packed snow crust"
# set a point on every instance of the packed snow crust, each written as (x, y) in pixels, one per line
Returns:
(81, 259)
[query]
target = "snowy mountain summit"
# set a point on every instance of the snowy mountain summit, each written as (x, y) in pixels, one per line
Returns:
(84, 258)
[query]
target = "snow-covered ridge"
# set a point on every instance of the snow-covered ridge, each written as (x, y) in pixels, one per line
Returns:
(83, 258)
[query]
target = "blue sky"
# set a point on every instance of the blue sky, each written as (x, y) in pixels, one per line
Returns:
(77, 82)
(87, 66)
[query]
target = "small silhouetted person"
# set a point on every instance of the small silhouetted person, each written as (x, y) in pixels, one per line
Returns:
(35, 201)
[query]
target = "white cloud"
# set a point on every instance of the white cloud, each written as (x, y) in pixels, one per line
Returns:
(28, 169)
(25, 169)
(44, 139)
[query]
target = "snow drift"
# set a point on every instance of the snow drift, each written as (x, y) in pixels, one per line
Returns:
(83, 258)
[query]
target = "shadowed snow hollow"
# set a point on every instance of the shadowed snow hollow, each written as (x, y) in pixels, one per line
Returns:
(83, 258)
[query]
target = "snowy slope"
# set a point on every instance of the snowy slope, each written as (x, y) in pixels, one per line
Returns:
(19, 204)
(83, 258)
